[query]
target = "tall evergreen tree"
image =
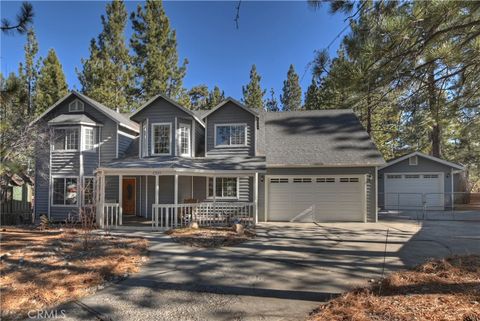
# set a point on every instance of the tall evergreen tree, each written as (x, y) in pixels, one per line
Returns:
(155, 46)
(107, 75)
(198, 97)
(28, 71)
(215, 97)
(312, 100)
(292, 92)
(252, 92)
(51, 85)
(271, 104)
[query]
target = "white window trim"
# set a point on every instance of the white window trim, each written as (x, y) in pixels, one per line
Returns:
(179, 141)
(83, 189)
(64, 149)
(76, 103)
(51, 191)
(152, 140)
(84, 136)
(215, 188)
(229, 125)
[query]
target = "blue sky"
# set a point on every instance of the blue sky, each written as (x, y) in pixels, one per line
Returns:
(271, 35)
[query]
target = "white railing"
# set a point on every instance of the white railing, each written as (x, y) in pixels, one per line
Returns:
(166, 216)
(111, 215)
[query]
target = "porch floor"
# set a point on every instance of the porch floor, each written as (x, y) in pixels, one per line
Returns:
(133, 220)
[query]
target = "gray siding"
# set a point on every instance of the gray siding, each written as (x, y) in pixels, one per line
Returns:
(371, 197)
(111, 189)
(123, 144)
(90, 162)
(424, 165)
(184, 188)
(231, 114)
(65, 163)
(199, 140)
(42, 174)
(199, 188)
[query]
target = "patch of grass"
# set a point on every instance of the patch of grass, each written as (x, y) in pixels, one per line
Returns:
(40, 269)
(446, 289)
(209, 236)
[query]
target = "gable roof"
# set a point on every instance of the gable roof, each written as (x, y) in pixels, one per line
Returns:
(113, 115)
(318, 138)
(171, 101)
(223, 103)
(432, 158)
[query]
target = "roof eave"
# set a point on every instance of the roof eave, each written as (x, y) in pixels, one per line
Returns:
(432, 158)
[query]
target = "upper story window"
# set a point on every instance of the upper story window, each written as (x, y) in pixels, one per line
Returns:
(184, 140)
(161, 139)
(76, 105)
(88, 138)
(65, 139)
(230, 135)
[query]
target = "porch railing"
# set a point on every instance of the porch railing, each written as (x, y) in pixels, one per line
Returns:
(166, 216)
(111, 215)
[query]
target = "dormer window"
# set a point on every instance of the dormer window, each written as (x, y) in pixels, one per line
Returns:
(230, 135)
(413, 160)
(161, 139)
(75, 105)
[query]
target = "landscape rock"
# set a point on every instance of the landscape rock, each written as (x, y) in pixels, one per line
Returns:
(194, 225)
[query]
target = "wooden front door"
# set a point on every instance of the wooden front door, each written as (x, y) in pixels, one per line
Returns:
(128, 195)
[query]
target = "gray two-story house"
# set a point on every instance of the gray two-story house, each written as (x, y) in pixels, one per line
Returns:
(288, 166)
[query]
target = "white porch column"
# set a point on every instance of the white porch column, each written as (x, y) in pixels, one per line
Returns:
(101, 190)
(175, 195)
(255, 197)
(120, 198)
(157, 188)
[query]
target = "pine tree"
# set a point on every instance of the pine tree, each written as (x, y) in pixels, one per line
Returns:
(292, 92)
(198, 97)
(28, 71)
(155, 46)
(271, 104)
(311, 96)
(107, 75)
(215, 97)
(51, 85)
(252, 92)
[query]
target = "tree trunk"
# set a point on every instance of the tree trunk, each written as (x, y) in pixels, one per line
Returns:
(433, 104)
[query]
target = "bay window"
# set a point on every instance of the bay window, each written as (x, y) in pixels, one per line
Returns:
(224, 187)
(64, 191)
(65, 139)
(230, 134)
(89, 138)
(161, 139)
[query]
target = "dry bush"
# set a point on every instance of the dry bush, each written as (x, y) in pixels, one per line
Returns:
(40, 269)
(447, 289)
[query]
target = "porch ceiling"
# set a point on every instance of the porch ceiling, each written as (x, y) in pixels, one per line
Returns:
(220, 163)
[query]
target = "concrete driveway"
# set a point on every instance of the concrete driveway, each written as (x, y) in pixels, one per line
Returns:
(280, 275)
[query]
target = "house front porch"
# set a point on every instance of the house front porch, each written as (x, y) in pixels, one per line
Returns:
(168, 198)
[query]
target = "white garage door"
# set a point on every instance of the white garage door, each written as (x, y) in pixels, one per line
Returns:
(317, 198)
(410, 191)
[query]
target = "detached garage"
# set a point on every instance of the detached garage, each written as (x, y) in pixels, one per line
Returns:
(417, 180)
(320, 166)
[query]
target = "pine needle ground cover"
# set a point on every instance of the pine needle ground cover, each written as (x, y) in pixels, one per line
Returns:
(41, 269)
(209, 236)
(447, 289)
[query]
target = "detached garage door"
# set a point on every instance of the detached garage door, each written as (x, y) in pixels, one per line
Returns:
(317, 198)
(410, 191)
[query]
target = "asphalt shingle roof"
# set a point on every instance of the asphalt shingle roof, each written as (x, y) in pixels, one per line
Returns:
(72, 119)
(318, 137)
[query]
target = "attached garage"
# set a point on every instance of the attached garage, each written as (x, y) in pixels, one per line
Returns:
(417, 181)
(317, 198)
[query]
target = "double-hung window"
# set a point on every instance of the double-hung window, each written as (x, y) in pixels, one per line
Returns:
(224, 187)
(230, 135)
(161, 139)
(89, 138)
(184, 140)
(64, 191)
(65, 139)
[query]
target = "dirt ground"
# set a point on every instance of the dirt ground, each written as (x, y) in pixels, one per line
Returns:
(447, 289)
(43, 268)
(209, 236)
